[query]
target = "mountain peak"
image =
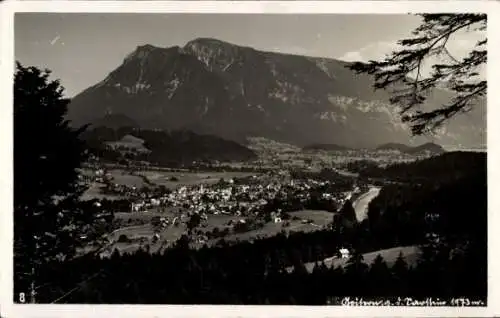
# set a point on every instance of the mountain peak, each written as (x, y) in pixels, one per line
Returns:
(215, 87)
(212, 51)
(146, 47)
(206, 41)
(141, 52)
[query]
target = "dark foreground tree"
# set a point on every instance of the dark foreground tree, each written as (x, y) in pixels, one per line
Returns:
(401, 71)
(47, 154)
(347, 214)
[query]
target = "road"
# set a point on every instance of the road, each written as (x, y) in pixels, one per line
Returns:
(361, 204)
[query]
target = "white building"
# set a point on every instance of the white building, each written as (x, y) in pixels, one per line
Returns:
(344, 252)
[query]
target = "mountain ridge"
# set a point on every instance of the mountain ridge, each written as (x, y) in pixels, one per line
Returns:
(214, 87)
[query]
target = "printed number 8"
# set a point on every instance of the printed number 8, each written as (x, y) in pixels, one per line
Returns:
(22, 298)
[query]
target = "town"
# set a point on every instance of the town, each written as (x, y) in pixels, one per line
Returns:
(150, 214)
(285, 190)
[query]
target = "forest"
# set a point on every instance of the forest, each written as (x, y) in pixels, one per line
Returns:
(166, 148)
(446, 167)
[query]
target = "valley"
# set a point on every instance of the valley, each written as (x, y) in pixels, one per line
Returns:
(314, 209)
(187, 169)
(231, 201)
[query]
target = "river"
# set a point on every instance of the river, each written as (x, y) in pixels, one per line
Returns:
(361, 204)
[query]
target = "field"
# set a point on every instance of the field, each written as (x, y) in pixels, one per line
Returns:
(189, 178)
(142, 233)
(123, 216)
(94, 192)
(123, 177)
(410, 254)
(133, 232)
(218, 221)
(319, 218)
(271, 229)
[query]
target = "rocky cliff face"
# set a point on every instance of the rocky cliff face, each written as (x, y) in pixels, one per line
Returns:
(211, 86)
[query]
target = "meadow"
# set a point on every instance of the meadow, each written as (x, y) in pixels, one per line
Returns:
(172, 180)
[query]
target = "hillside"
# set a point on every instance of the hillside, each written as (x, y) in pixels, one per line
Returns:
(427, 147)
(214, 87)
(449, 166)
(163, 147)
(448, 192)
(390, 255)
(130, 143)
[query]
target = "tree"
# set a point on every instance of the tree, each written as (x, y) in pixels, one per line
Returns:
(347, 211)
(402, 70)
(356, 263)
(400, 273)
(123, 238)
(47, 153)
(356, 271)
(379, 277)
(193, 222)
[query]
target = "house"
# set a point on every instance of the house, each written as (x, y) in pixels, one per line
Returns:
(327, 196)
(136, 207)
(433, 237)
(344, 253)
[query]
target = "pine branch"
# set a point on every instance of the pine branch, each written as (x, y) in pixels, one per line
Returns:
(430, 39)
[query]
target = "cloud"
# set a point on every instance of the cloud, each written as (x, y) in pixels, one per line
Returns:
(459, 47)
(354, 56)
(373, 51)
(54, 40)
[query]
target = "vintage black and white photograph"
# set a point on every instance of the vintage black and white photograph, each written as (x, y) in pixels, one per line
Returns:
(250, 159)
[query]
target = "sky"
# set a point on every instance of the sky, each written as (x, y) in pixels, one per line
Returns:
(81, 49)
